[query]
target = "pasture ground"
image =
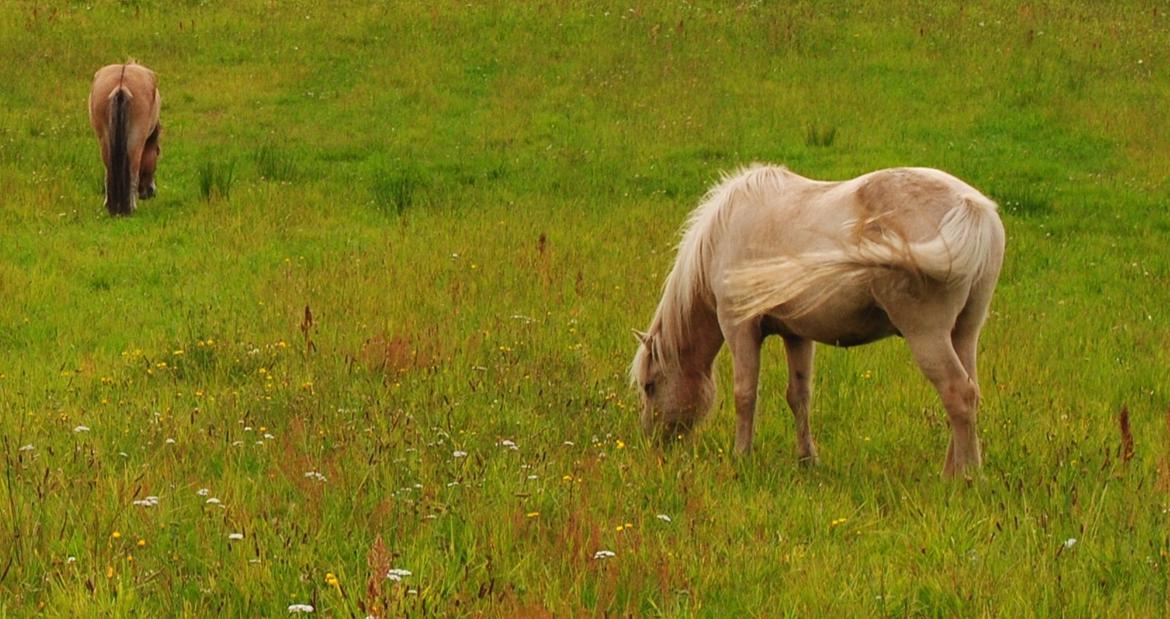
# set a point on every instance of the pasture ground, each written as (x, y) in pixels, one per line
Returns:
(476, 202)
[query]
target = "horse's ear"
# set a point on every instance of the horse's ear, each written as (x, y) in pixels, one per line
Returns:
(643, 337)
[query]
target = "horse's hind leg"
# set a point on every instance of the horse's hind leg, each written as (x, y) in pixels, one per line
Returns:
(800, 363)
(937, 358)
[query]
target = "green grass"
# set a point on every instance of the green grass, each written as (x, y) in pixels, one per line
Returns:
(478, 202)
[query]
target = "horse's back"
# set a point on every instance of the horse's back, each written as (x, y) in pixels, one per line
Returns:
(805, 231)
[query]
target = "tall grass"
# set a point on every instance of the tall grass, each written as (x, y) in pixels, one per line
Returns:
(215, 179)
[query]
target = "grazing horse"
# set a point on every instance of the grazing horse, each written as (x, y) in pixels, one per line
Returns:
(913, 252)
(123, 109)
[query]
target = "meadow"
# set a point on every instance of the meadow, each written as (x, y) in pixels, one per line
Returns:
(367, 350)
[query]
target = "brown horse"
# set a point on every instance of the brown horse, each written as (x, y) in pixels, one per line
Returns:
(912, 252)
(123, 109)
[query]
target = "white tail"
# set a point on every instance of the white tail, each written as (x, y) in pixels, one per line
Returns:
(955, 257)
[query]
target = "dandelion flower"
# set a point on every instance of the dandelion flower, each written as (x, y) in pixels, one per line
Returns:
(116, 535)
(141, 543)
(332, 581)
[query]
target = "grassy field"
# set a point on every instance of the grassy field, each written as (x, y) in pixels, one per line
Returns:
(476, 202)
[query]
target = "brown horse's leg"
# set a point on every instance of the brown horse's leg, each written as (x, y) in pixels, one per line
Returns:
(744, 341)
(800, 363)
(940, 363)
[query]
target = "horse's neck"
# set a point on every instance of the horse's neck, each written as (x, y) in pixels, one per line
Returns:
(703, 340)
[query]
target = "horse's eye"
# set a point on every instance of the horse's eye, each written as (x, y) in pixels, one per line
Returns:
(648, 388)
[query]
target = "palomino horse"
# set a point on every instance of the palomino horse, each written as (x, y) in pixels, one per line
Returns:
(912, 252)
(123, 109)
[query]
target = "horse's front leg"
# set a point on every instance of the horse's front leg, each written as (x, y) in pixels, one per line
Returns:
(744, 340)
(800, 364)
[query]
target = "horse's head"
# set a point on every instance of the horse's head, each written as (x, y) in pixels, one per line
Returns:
(150, 153)
(673, 398)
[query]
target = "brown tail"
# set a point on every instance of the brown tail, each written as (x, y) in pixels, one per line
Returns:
(119, 185)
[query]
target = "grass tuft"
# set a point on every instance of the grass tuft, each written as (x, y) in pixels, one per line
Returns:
(274, 164)
(215, 179)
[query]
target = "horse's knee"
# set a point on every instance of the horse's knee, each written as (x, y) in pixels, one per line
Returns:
(745, 400)
(797, 395)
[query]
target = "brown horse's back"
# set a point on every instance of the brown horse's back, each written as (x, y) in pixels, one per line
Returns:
(123, 110)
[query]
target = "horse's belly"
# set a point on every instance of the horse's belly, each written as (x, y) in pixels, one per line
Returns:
(853, 327)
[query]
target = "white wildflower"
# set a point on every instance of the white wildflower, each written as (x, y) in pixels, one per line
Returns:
(149, 501)
(213, 501)
(81, 429)
(203, 492)
(170, 441)
(28, 447)
(663, 517)
(1070, 542)
(459, 454)
(315, 475)
(509, 444)
(397, 574)
(299, 608)
(235, 536)
(604, 554)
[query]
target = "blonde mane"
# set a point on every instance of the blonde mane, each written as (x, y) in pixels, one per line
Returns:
(687, 284)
